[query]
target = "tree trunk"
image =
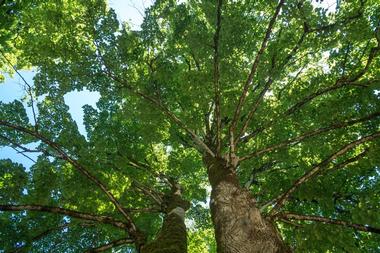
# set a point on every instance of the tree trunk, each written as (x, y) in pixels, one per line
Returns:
(239, 225)
(172, 237)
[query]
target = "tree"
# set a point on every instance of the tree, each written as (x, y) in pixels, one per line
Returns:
(274, 104)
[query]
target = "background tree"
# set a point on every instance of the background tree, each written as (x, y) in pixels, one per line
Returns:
(274, 104)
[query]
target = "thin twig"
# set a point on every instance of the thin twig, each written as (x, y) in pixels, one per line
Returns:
(360, 227)
(29, 88)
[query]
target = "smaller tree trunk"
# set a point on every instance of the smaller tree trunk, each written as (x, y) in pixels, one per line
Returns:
(172, 237)
(239, 225)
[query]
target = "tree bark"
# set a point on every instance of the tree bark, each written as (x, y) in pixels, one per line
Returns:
(173, 235)
(239, 225)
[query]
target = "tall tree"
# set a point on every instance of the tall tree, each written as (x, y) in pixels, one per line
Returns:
(273, 104)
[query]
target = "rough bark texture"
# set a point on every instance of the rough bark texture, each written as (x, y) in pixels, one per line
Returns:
(239, 226)
(173, 237)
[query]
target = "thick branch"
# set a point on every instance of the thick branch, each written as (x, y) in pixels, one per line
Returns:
(280, 201)
(132, 228)
(252, 73)
(111, 245)
(217, 113)
(310, 134)
(67, 212)
(360, 227)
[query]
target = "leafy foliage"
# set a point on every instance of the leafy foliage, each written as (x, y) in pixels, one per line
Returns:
(314, 90)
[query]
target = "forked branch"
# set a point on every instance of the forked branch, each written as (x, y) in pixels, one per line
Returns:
(252, 73)
(256, 104)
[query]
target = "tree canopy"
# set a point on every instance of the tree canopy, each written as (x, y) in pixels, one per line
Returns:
(285, 93)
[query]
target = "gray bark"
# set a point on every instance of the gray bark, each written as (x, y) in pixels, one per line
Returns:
(239, 225)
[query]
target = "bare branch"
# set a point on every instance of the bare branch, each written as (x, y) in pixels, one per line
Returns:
(310, 134)
(143, 210)
(359, 227)
(280, 200)
(258, 170)
(251, 74)
(63, 155)
(217, 113)
(14, 146)
(24, 149)
(111, 245)
(67, 212)
(28, 88)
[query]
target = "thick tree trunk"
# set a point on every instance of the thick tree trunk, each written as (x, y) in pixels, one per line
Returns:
(172, 237)
(239, 225)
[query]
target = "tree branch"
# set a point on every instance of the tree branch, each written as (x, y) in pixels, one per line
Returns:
(341, 82)
(155, 196)
(217, 113)
(46, 233)
(269, 83)
(251, 75)
(132, 227)
(310, 134)
(111, 245)
(360, 227)
(124, 84)
(67, 212)
(280, 200)
(24, 149)
(28, 88)
(168, 113)
(14, 146)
